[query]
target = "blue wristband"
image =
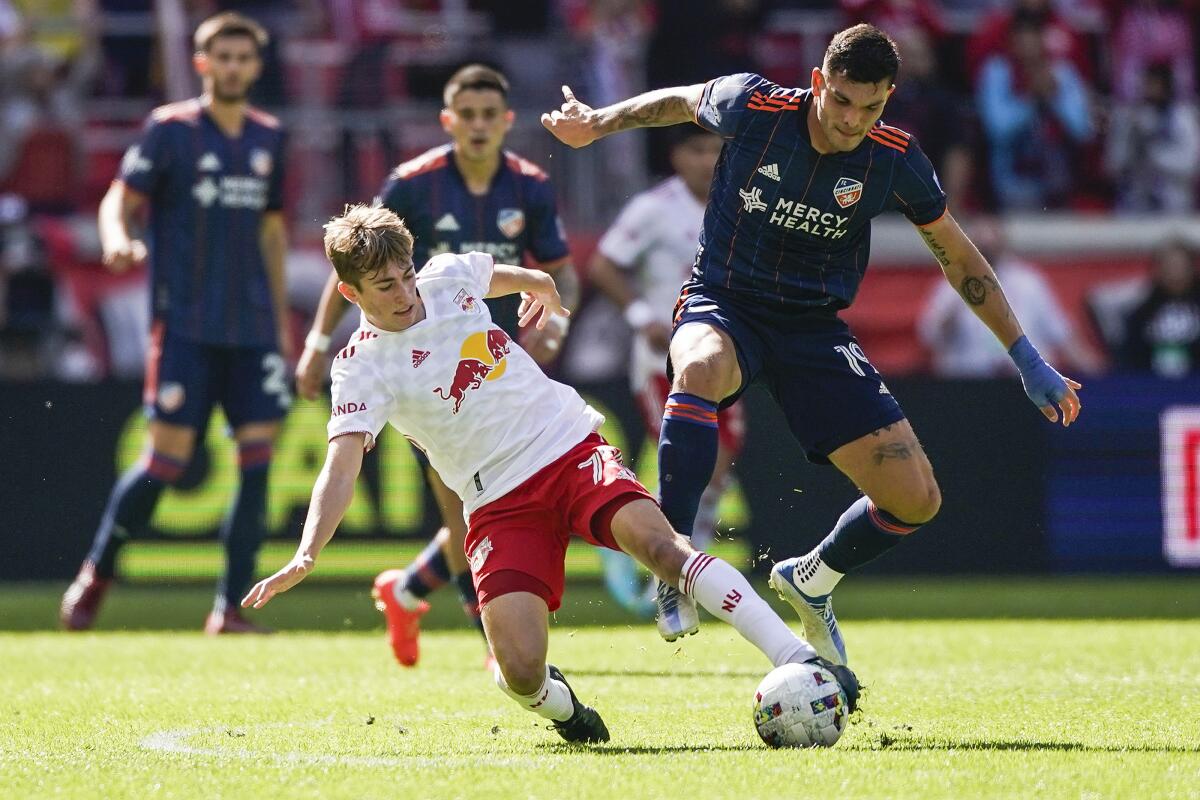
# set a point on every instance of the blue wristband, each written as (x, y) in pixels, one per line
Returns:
(1042, 383)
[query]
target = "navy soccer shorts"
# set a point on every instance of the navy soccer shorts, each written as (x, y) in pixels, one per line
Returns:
(185, 379)
(811, 364)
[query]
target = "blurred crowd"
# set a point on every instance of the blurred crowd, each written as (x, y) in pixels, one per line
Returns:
(1087, 106)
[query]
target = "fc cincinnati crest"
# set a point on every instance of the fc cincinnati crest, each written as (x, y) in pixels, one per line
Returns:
(847, 192)
(260, 162)
(511, 221)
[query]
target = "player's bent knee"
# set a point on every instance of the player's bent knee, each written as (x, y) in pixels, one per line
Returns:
(523, 672)
(923, 505)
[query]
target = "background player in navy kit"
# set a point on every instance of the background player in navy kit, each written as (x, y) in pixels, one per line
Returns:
(209, 172)
(467, 195)
(785, 243)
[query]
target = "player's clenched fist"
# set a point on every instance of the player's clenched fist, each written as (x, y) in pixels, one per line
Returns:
(124, 256)
(573, 123)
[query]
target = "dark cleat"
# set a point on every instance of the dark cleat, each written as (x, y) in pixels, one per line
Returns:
(229, 621)
(845, 678)
(82, 599)
(585, 724)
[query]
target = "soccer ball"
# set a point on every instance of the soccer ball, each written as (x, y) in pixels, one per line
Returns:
(800, 705)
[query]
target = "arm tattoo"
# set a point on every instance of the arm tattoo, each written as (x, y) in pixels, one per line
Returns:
(975, 290)
(650, 110)
(901, 451)
(938, 251)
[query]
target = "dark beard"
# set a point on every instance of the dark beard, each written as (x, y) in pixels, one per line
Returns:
(223, 97)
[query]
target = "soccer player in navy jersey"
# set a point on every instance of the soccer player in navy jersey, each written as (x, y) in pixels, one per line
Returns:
(785, 243)
(467, 195)
(209, 174)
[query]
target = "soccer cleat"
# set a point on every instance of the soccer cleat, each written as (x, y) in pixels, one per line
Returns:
(845, 678)
(403, 624)
(230, 621)
(677, 614)
(82, 599)
(820, 625)
(585, 724)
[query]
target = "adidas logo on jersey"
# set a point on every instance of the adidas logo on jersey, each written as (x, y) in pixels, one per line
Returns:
(446, 223)
(208, 163)
(419, 357)
(770, 170)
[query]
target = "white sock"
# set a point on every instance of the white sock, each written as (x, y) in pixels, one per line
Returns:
(552, 700)
(404, 597)
(813, 576)
(728, 596)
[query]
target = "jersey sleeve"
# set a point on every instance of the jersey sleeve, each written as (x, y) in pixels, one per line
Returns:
(629, 236)
(547, 237)
(146, 159)
(474, 269)
(275, 187)
(361, 401)
(728, 101)
(917, 193)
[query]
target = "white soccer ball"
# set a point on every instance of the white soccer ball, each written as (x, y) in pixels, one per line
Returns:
(800, 705)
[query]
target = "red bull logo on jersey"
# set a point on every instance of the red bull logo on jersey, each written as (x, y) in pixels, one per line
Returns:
(482, 358)
(847, 192)
(466, 302)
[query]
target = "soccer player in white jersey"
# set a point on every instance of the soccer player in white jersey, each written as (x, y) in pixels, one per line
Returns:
(520, 450)
(640, 263)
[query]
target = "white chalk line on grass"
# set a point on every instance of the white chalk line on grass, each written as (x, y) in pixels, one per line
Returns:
(176, 742)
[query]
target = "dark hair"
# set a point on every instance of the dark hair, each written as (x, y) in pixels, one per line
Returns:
(228, 23)
(475, 76)
(864, 54)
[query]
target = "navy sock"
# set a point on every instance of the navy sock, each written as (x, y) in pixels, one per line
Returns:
(245, 525)
(863, 533)
(470, 600)
(130, 507)
(428, 571)
(687, 455)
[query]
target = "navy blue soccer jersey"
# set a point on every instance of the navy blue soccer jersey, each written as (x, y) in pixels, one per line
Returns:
(517, 216)
(207, 194)
(787, 225)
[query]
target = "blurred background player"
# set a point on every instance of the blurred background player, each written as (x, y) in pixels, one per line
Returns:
(639, 264)
(468, 195)
(785, 244)
(209, 173)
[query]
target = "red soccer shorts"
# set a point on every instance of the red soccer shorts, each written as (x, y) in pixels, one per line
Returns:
(518, 543)
(652, 399)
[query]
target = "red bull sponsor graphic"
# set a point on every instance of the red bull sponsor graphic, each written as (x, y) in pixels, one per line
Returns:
(480, 359)
(466, 302)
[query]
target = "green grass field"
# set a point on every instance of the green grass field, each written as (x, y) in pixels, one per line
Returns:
(977, 688)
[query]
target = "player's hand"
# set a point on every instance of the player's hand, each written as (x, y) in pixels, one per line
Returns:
(541, 305)
(292, 573)
(658, 336)
(121, 258)
(310, 373)
(573, 123)
(544, 344)
(1049, 391)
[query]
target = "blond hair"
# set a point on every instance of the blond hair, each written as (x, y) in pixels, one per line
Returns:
(366, 239)
(228, 23)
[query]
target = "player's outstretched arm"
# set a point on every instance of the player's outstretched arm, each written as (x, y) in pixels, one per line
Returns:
(331, 497)
(539, 294)
(313, 366)
(973, 278)
(578, 125)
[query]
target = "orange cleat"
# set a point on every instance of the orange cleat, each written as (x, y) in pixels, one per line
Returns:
(403, 624)
(82, 599)
(230, 621)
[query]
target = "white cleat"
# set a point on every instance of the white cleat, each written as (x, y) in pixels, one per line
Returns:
(820, 625)
(677, 614)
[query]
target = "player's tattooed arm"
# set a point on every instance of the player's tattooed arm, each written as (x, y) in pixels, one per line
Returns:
(972, 277)
(577, 124)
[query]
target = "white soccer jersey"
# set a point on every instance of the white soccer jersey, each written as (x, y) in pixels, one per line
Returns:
(457, 385)
(655, 236)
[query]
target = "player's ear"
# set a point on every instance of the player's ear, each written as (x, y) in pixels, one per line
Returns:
(446, 117)
(200, 63)
(510, 117)
(347, 291)
(818, 80)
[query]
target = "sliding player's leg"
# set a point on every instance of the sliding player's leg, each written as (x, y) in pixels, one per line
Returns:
(515, 622)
